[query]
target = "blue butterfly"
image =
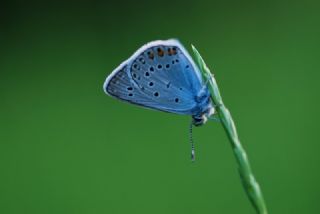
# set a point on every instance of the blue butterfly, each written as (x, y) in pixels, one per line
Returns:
(161, 75)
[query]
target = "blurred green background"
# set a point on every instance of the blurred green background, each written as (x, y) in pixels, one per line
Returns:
(66, 147)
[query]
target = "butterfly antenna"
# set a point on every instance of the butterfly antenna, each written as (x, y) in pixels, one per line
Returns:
(192, 143)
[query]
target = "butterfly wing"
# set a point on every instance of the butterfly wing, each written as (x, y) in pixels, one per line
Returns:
(120, 86)
(160, 75)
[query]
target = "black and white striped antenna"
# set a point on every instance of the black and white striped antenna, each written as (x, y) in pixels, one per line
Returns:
(193, 157)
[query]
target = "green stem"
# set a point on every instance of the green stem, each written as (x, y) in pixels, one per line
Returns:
(249, 182)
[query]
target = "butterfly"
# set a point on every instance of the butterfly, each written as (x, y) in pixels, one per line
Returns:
(161, 75)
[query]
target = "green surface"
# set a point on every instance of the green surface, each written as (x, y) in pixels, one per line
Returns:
(66, 147)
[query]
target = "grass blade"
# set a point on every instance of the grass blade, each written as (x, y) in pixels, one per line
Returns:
(249, 182)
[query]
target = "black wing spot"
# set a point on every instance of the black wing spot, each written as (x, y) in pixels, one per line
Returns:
(176, 100)
(150, 55)
(115, 81)
(177, 60)
(167, 65)
(187, 66)
(130, 95)
(142, 60)
(129, 88)
(151, 69)
(174, 50)
(112, 90)
(134, 75)
(147, 74)
(156, 94)
(172, 62)
(160, 52)
(180, 89)
(168, 85)
(135, 66)
(150, 84)
(159, 66)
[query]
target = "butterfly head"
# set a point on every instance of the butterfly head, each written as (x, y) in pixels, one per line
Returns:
(199, 120)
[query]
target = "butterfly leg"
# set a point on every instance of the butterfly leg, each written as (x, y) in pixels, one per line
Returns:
(215, 118)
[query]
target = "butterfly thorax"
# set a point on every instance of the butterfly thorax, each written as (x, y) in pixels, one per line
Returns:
(204, 108)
